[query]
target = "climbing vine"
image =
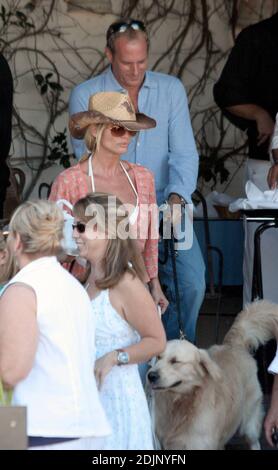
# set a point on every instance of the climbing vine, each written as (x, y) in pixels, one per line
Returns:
(41, 41)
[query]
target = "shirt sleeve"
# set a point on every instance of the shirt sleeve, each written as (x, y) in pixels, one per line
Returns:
(60, 190)
(234, 86)
(183, 159)
(150, 253)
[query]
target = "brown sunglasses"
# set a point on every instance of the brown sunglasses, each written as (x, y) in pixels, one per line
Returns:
(118, 131)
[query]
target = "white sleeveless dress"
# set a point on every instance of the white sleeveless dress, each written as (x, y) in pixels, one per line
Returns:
(122, 394)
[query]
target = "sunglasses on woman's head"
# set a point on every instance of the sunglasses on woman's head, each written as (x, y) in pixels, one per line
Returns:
(122, 26)
(80, 227)
(118, 131)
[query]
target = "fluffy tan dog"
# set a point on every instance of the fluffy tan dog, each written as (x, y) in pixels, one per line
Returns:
(202, 397)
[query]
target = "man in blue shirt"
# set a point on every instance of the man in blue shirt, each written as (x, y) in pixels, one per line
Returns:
(169, 151)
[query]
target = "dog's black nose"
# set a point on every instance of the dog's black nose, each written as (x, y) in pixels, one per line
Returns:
(153, 376)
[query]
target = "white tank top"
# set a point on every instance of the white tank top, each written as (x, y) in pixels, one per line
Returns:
(134, 214)
(60, 391)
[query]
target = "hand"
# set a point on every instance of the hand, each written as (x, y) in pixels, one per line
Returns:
(158, 295)
(265, 126)
(271, 421)
(272, 177)
(174, 202)
(103, 366)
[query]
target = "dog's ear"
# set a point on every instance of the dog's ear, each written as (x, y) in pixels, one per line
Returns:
(209, 365)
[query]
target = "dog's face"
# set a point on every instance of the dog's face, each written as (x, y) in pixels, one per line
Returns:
(181, 367)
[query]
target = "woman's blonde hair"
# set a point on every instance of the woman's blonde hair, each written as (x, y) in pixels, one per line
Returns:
(8, 269)
(122, 253)
(93, 142)
(40, 227)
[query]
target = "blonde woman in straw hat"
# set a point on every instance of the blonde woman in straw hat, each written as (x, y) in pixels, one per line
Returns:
(107, 128)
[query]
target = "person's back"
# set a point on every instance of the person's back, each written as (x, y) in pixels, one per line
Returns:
(62, 375)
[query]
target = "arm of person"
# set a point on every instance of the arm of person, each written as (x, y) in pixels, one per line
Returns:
(183, 159)
(271, 420)
(272, 177)
(158, 294)
(18, 333)
(150, 253)
(253, 112)
(132, 299)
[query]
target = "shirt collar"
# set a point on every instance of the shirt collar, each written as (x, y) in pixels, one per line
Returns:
(43, 261)
(112, 83)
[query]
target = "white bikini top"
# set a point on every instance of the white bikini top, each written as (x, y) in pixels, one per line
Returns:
(134, 214)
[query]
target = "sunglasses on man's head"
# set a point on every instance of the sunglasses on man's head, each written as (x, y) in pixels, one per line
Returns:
(122, 26)
(118, 131)
(80, 227)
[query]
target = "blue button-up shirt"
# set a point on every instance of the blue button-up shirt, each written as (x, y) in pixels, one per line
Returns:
(169, 150)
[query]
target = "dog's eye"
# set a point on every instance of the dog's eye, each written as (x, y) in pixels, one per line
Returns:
(173, 360)
(158, 358)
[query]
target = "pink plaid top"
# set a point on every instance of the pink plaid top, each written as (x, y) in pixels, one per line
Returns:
(72, 185)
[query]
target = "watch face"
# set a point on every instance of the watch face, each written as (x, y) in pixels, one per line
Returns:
(123, 357)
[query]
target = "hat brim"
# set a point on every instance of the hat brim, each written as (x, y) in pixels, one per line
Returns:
(79, 122)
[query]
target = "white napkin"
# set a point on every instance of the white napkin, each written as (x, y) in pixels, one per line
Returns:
(256, 199)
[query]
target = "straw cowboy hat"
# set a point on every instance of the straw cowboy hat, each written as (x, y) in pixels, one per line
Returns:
(109, 108)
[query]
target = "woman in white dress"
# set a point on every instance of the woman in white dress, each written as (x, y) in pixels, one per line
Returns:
(128, 328)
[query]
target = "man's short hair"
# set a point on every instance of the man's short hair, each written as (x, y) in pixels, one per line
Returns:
(128, 27)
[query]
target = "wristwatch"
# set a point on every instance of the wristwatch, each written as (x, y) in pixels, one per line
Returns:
(122, 358)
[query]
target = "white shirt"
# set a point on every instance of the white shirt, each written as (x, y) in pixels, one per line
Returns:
(60, 391)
